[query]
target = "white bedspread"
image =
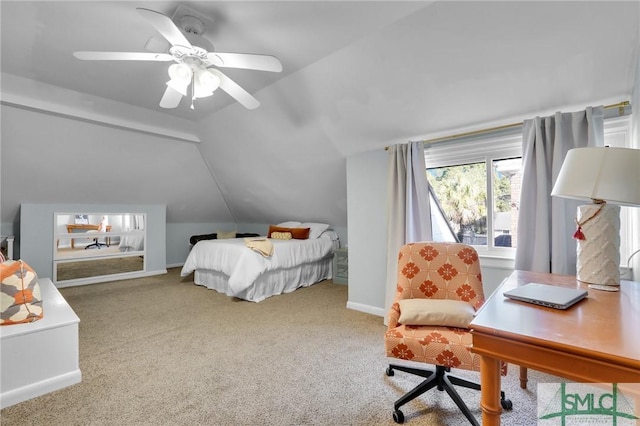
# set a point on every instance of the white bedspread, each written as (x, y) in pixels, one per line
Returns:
(243, 265)
(131, 243)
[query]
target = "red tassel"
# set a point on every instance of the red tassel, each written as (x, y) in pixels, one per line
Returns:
(578, 235)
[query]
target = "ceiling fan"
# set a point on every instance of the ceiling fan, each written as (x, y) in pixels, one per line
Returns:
(196, 62)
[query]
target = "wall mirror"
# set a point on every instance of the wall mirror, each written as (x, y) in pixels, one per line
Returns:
(89, 245)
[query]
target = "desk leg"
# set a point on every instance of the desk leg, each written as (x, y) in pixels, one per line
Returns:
(523, 377)
(490, 392)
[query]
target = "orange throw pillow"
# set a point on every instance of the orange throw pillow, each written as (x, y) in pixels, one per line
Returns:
(20, 297)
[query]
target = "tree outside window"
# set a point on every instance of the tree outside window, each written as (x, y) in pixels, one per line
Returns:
(461, 191)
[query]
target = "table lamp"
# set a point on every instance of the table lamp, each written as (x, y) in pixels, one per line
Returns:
(609, 177)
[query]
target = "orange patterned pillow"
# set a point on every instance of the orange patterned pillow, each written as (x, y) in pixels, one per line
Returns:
(20, 298)
(296, 233)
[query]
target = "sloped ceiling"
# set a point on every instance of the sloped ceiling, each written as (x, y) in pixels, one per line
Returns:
(357, 76)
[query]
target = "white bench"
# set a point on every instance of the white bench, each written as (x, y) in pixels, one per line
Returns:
(41, 356)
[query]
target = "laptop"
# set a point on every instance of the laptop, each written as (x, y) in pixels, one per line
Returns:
(547, 295)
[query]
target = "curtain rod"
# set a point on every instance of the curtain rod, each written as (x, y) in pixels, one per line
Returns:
(620, 105)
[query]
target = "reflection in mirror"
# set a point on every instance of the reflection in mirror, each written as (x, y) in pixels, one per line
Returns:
(97, 235)
(88, 245)
(98, 267)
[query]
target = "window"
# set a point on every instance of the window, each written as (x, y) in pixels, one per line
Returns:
(482, 174)
(617, 133)
(470, 179)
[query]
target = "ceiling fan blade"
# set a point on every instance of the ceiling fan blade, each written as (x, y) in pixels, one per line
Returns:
(165, 26)
(171, 98)
(123, 56)
(236, 92)
(246, 61)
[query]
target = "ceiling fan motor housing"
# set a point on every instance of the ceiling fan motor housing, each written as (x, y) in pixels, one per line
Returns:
(193, 29)
(191, 24)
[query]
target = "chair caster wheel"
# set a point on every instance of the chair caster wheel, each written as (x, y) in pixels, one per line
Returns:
(390, 371)
(506, 404)
(398, 417)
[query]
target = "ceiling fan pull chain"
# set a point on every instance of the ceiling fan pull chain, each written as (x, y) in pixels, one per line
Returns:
(193, 85)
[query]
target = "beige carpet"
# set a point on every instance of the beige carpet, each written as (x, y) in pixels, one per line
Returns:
(163, 351)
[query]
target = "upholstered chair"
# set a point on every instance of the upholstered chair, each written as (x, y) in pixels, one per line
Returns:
(438, 291)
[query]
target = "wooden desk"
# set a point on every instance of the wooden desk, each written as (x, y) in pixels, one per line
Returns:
(594, 341)
(71, 227)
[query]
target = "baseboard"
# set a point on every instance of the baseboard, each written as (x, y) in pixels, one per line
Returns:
(366, 309)
(176, 265)
(33, 390)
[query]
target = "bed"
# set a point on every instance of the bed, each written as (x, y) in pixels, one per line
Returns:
(230, 267)
(131, 243)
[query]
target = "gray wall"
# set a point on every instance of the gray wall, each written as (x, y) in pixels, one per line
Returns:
(37, 223)
(367, 223)
(178, 235)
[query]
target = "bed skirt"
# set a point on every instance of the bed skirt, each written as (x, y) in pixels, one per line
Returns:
(271, 283)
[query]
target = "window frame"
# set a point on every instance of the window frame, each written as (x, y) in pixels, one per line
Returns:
(504, 144)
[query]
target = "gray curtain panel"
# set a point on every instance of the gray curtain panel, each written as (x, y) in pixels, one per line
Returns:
(408, 209)
(546, 224)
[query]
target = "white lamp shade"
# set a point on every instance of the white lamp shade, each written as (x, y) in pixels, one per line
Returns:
(205, 83)
(602, 173)
(180, 78)
(180, 73)
(207, 80)
(178, 86)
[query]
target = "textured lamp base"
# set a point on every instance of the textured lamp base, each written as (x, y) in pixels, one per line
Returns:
(598, 255)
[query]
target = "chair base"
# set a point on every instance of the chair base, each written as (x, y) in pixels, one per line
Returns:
(95, 244)
(443, 382)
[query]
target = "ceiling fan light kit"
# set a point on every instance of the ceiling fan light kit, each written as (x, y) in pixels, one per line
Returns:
(206, 82)
(180, 75)
(195, 58)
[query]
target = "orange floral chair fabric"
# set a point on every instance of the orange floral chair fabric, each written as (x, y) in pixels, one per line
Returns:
(435, 271)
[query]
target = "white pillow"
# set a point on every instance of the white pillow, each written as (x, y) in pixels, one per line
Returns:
(329, 235)
(315, 229)
(290, 224)
(443, 312)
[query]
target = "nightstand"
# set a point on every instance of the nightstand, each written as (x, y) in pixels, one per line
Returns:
(341, 266)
